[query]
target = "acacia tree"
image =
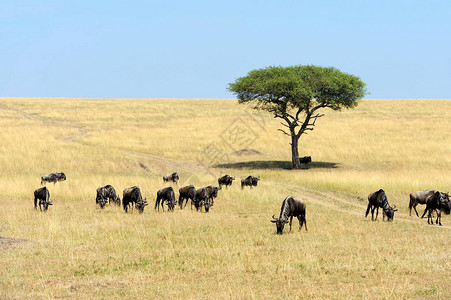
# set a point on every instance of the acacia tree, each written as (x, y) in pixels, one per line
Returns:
(296, 93)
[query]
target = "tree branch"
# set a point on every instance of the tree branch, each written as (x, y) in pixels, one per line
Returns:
(284, 132)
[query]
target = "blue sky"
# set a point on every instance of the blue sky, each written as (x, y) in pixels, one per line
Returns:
(193, 49)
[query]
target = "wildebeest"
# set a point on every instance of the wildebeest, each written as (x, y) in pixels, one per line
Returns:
(201, 199)
(226, 180)
(249, 181)
(43, 195)
(174, 177)
(212, 193)
(379, 199)
(53, 177)
(109, 194)
(166, 194)
(132, 196)
(420, 197)
(101, 198)
(305, 160)
(186, 192)
(291, 207)
(438, 203)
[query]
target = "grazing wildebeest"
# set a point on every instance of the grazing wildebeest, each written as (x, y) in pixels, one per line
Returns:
(212, 193)
(43, 195)
(132, 196)
(305, 160)
(174, 177)
(201, 199)
(379, 199)
(291, 207)
(186, 192)
(438, 203)
(249, 181)
(53, 177)
(101, 198)
(166, 194)
(226, 180)
(109, 194)
(420, 197)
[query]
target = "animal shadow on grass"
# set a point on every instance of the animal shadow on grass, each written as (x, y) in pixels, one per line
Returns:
(276, 164)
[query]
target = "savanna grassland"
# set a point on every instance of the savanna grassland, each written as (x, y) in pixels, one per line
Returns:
(76, 250)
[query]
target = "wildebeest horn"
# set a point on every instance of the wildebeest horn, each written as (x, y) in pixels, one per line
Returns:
(274, 217)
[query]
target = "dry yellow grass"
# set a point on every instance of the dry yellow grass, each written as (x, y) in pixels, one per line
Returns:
(76, 250)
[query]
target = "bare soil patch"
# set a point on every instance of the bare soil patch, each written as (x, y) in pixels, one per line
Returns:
(11, 242)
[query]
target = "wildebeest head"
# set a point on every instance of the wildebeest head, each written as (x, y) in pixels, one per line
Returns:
(444, 202)
(141, 204)
(102, 202)
(390, 212)
(62, 176)
(280, 223)
(175, 176)
(46, 204)
(255, 180)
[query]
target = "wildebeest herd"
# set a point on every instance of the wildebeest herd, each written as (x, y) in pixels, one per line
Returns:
(203, 197)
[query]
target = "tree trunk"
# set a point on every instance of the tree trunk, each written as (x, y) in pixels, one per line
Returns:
(295, 152)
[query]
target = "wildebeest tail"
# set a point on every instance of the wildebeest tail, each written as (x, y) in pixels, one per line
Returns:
(411, 202)
(368, 210)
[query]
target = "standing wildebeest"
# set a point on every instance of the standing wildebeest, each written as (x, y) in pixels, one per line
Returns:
(379, 199)
(53, 177)
(174, 177)
(249, 181)
(305, 160)
(201, 199)
(132, 196)
(291, 207)
(43, 195)
(166, 194)
(438, 203)
(186, 192)
(108, 193)
(212, 193)
(420, 197)
(226, 180)
(101, 198)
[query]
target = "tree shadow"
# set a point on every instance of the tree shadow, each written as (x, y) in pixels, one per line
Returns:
(276, 164)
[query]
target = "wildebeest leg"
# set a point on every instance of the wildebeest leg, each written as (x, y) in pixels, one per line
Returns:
(162, 205)
(35, 203)
(424, 212)
(439, 217)
(377, 213)
(415, 209)
(430, 217)
(291, 220)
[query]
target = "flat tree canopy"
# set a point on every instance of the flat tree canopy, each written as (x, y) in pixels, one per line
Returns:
(296, 93)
